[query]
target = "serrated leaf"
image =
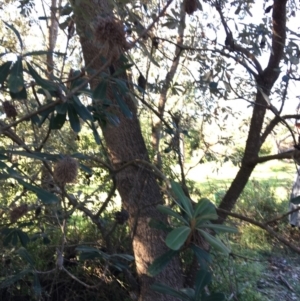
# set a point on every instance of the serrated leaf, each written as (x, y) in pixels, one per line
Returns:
(220, 228)
(4, 71)
(81, 110)
(86, 169)
(25, 256)
(16, 32)
(95, 133)
(161, 262)
(202, 256)
(177, 237)
(34, 155)
(16, 81)
(205, 210)
(163, 289)
(62, 108)
(22, 95)
(185, 202)
(123, 106)
(91, 253)
(100, 91)
(203, 278)
(157, 224)
(36, 285)
(45, 84)
(23, 237)
(215, 297)
(73, 118)
(295, 200)
(214, 242)
(57, 121)
(169, 211)
(45, 196)
(13, 279)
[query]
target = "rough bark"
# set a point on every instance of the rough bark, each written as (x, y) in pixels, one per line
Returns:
(137, 186)
(265, 82)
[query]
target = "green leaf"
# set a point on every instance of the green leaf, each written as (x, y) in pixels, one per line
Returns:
(123, 106)
(220, 228)
(91, 253)
(13, 279)
(73, 118)
(185, 202)
(47, 85)
(86, 169)
(295, 200)
(215, 297)
(15, 32)
(62, 108)
(16, 81)
(161, 262)
(100, 91)
(36, 285)
(177, 237)
(203, 257)
(78, 81)
(10, 236)
(23, 237)
(169, 211)
(34, 155)
(214, 242)
(95, 133)
(4, 71)
(25, 256)
(205, 210)
(166, 290)
(57, 121)
(45, 196)
(20, 95)
(156, 224)
(81, 110)
(203, 278)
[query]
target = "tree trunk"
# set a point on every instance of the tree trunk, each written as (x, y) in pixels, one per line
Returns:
(265, 81)
(137, 186)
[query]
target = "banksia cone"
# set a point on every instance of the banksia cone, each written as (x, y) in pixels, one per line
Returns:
(18, 212)
(121, 216)
(65, 171)
(142, 82)
(190, 6)
(9, 109)
(110, 33)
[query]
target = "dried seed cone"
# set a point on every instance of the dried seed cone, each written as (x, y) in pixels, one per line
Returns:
(9, 109)
(110, 32)
(190, 6)
(18, 212)
(121, 216)
(65, 171)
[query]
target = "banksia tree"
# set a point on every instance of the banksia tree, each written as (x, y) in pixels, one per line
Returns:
(65, 171)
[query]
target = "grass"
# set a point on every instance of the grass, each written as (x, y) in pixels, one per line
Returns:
(265, 196)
